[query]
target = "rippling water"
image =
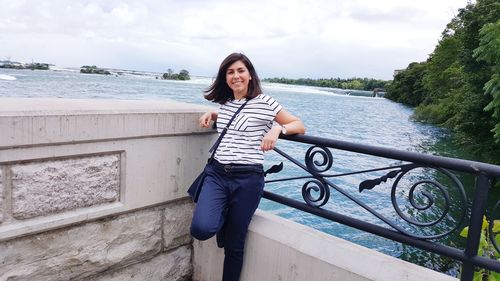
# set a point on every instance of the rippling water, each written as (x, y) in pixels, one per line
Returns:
(374, 121)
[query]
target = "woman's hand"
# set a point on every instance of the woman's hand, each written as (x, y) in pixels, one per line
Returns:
(269, 140)
(293, 126)
(206, 118)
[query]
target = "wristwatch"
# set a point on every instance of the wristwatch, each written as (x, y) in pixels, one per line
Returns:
(283, 129)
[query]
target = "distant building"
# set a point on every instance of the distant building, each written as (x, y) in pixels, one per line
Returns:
(397, 71)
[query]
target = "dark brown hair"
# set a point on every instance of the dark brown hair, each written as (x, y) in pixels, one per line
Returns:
(220, 92)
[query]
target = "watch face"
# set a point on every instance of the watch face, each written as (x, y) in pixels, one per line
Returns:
(283, 130)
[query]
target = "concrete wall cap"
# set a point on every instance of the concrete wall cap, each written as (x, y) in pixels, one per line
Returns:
(55, 106)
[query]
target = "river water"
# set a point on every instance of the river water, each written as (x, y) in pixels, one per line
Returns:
(366, 120)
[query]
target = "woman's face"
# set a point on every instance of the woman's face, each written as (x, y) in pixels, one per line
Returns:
(237, 78)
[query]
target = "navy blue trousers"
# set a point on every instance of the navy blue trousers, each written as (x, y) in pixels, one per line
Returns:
(227, 203)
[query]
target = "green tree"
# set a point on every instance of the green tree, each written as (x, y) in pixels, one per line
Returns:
(489, 52)
(407, 86)
(460, 82)
(355, 85)
(93, 70)
(170, 75)
(472, 123)
(352, 83)
(443, 71)
(184, 75)
(443, 82)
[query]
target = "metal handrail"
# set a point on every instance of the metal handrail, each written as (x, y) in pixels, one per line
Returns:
(320, 182)
(462, 165)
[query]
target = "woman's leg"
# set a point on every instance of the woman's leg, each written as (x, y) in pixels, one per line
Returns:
(246, 192)
(208, 213)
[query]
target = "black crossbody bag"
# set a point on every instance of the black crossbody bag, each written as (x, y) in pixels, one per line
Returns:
(195, 188)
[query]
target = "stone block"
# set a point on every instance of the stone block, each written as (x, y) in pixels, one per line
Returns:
(54, 186)
(176, 222)
(78, 252)
(172, 266)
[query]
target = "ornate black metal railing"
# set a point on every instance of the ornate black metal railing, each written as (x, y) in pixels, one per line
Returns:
(442, 197)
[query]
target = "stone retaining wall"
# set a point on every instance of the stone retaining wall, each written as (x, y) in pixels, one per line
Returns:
(123, 247)
(53, 186)
(96, 189)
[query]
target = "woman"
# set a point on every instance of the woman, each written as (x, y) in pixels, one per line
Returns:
(235, 179)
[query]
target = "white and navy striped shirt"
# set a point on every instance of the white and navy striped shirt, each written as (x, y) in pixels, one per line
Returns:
(241, 143)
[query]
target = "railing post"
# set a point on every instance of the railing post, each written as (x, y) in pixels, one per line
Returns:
(476, 221)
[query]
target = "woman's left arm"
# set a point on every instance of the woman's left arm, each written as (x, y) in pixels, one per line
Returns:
(291, 124)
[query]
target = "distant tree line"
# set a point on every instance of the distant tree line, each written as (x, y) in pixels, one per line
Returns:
(92, 69)
(352, 83)
(458, 87)
(170, 75)
(32, 66)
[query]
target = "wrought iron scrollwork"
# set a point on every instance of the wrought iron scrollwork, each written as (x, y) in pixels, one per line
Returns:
(430, 201)
(423, 195)
(319, 187)
(370, 184)
(316, 166)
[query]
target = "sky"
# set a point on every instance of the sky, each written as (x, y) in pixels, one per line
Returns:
(289, 38)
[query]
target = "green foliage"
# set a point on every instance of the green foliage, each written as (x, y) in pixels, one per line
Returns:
(407, 86)
(32, 66)
(182, 75)
(458, 87)
(443, 72)
(486, 248)
(93, 70)
(489, 52)
(352, 84)
(431, 113)
(38, 66)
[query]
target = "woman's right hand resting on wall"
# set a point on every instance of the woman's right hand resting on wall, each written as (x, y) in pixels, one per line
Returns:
(206, 118)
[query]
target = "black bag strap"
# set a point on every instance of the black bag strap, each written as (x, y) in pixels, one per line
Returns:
(217, 142)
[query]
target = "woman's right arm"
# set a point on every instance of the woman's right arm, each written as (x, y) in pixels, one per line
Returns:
(207, 117)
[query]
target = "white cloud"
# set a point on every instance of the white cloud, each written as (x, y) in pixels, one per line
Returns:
(321, 38)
